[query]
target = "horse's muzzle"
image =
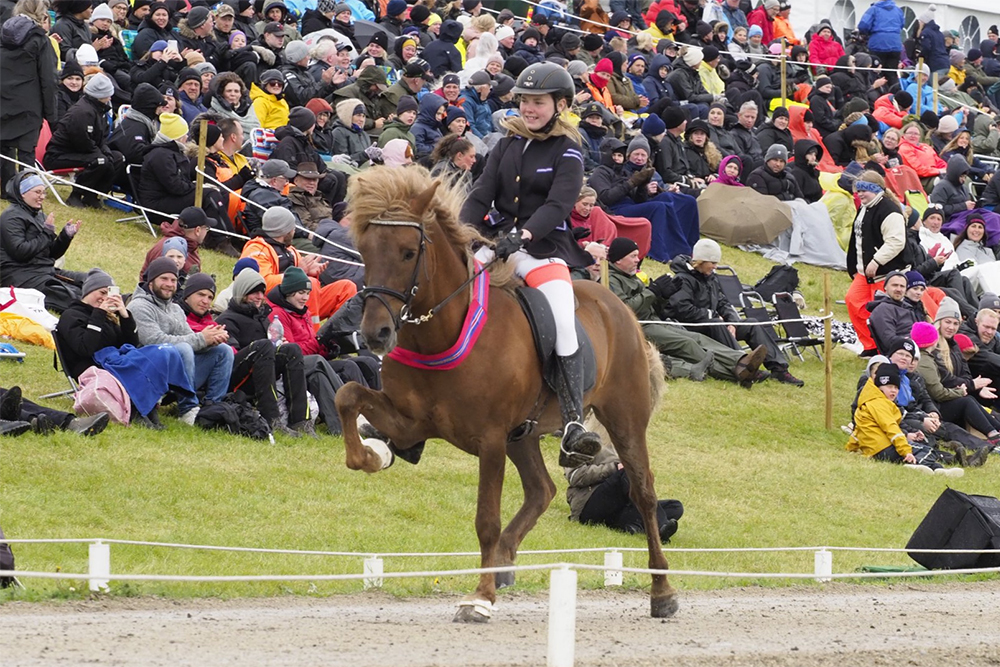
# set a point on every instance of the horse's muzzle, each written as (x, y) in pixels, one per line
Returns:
(381, 341)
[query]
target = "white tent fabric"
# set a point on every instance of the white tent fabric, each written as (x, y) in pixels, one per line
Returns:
(811, 239)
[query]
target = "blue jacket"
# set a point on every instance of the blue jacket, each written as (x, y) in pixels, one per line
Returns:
(655, 87)
(427, 129)
(147, 373)
(932, 46)
(883, 23)
(634, 9)
(637, 84)
(926, 95)
(478, 112)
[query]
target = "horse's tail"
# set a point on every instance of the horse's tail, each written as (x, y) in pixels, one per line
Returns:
(657, 376)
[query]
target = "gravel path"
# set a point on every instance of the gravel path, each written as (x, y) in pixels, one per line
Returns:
(837, 625)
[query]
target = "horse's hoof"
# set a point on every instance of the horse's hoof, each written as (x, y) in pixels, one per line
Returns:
(504, 579)
(664, 607)
(473, 612)
(381, 451)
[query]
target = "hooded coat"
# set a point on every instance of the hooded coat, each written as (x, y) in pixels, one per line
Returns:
(949, 192)
(165, 181)
(658, 88)
(28, 71)
(805, 175)
(349, 139)
(81, 136)
(825, 51)
(851, 84)
(427, 129)
(442, 54)
(921, 158)
(28, 249)
(780, 185)
(294, 147)
(842, 144)
(876, 424)
(137, 130)
(883, 22)
(886, 110)
(477, 111)
(271, 110)
(148, 33)
(932, 47)
(377, 105)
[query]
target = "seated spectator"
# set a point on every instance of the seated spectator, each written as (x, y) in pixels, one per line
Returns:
(258, 362)
(685, 354)
(931, 238)
(70, 89)
(823, 111)
(30, 246)
(349, 136)
(695, 296)
(594, 132)
(427, 129)
(165, 181)
(772, 179)
(729, 171)
(453, 158)
(892, 109)
(269, 103)
(776, 131)
(876, 425)
(159, 321)
(598, 493)
(80, 139)
(743, 136)
(950, 193)
(971, 242)
(274, 255)
(399, 128)
(295, 146)
(894, 311)
(161, 63)
(266, 192)
(191, 226)
(222, 299)
(135, 132)
(232, 100)
(474, 103)
(849, 144)
(98, 331)
(961, 146)
(804, 170)
(919, 156)
(369, 89)
(322, 134)
(15, 408)
(603, 227)
(950, 280)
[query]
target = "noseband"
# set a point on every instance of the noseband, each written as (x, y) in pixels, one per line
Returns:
(379, 292)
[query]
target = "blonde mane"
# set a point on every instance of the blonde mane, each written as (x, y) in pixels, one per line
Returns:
(387, 193)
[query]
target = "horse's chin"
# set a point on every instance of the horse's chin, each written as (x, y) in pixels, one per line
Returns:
(380, 347)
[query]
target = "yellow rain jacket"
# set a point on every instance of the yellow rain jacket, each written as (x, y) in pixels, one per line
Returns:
(840, 204)
(876, 424)
(271, 112)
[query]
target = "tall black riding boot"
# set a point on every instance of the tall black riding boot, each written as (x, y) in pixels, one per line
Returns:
(578, 445)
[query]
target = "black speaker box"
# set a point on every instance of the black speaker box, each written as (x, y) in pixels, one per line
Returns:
(958, 521)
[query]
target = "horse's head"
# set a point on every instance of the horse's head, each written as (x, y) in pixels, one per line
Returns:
(387, 212)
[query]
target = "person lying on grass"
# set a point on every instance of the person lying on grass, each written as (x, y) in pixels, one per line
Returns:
(876, 427)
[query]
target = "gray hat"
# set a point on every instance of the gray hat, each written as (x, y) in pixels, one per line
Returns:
(341, 8)
(197, 17)
(274, 168)
(989, 300)
(948, 308)
(776, 152)
(247, 282)
(638, 143)
(481, 78)
(99, 87)
(197, 282)
(95, 280)
(576, 68)
(706, 250)
(206, 66)
(278, 221)
(296, 51)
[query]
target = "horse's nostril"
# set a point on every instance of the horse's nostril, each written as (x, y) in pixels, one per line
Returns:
(384, 333)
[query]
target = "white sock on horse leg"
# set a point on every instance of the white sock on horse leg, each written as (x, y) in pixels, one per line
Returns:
(560, 296)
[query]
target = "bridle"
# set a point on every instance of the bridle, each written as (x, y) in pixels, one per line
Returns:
(379, 292)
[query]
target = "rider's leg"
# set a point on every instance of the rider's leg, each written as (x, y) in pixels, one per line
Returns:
(551, 277)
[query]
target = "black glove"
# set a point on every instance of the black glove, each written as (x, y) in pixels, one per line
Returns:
(660, 285)
(246, 173)
(508, 245)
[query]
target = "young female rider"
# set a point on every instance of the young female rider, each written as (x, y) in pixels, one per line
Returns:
(531, 180)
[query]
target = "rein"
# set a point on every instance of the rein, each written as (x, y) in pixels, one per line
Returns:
(379, 292)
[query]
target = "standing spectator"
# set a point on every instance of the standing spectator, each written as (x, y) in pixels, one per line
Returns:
(933, 49)
(763, 17)
(442, 55)
(71, 24)
(883, 23)
(824, 49)
(81, 140)
(28, 95)
(29, 245)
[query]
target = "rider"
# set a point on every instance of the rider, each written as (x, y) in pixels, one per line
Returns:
(530, 184)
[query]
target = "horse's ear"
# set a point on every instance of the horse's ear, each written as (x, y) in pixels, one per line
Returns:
(422, 201)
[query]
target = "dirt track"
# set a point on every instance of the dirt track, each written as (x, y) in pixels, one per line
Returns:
(841, 625)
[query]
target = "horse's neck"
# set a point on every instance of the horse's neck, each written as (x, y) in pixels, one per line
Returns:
(443, 273)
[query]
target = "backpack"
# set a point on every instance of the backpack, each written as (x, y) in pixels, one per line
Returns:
(100, 391)
(6, 562)
(781, 278)
(234, 414)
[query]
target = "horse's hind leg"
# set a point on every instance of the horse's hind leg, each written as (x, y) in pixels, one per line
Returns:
(628, 433)
(478, 607)
(539, 489)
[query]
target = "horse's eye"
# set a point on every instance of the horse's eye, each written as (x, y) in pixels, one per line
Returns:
(408, 255)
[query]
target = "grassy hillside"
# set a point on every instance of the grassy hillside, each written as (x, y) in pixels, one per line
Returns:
(753, 468)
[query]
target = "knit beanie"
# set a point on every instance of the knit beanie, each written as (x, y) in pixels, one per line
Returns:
(776, 152)
(95, 280)
(294, 280)
(964, 343)
(948, 308)
(99, 87)
(653, 126)
(277, 221)
(673, 117)
(822, 81)
(419, 14)
(29, 182)
(197, 17)
(604, 66)
(160, 266)
(779, 112)
(928, 15)
(915, 279)
(901, 344)
(198, 282)
(693, 56)
(247, 282)
(636, 144)
(621, 247)
(924, 334)
(947, 125)
(886, 375)
(296, 51)
(710, 53)
(178, 243)
(406, 103)
(903, 99)
(173, 126)
(989, 301)
(245, 263)
(101, 11)
(706, 250)
(302, 118)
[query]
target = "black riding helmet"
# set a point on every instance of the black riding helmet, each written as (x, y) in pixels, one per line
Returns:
(544, 78)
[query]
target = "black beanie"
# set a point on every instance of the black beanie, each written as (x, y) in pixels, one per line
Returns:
(419, 14)
(903, 99)
(886, 374)
(620, 248)
(592, 42)
(929, 119)
(197, 282)
(779, 112)
(301, 118)
(160, 266)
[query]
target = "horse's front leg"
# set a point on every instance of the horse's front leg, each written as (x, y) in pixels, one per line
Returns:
(478, 607)
(354, 399)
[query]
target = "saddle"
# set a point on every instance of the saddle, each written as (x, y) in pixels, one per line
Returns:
(543, 331)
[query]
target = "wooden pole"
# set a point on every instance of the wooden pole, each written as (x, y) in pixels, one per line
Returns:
(828, 350)
(199, 182)
(784, 75)
(604, 272)
(934, 80)
(916, 74)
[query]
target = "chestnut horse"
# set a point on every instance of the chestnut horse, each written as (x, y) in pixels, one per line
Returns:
(417, 257)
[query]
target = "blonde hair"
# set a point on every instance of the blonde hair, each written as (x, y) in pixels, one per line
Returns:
(644, 41)
(944, 349)
(586, 191)
(484, 23)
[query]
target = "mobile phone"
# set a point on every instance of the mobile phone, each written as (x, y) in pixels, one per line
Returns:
(114, 290)
(172, 44)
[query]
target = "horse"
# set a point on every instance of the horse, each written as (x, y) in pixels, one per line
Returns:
(418, 266)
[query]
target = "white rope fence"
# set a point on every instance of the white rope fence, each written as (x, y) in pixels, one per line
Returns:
(740, 323)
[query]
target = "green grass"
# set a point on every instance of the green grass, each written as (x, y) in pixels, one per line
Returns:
(753, 468)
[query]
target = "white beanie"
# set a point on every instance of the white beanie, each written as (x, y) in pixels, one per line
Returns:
(693, 56)
(99, 87)
(947, 125)
(86, 55)
(706, 250)
(928, 15)
(102, 11)
(503, 32)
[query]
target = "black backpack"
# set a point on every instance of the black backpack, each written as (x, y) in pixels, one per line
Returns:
(6, 562)
(781, 278)
(234, 414)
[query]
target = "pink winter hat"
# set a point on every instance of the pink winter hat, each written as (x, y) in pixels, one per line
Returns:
(924, 334)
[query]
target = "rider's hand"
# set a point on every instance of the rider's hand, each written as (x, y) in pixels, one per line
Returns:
(508, 245)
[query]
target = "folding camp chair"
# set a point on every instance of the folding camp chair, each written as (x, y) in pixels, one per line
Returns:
(133, 178)
(797, 334)
(59, 366)
(731, 285)
(46, 174)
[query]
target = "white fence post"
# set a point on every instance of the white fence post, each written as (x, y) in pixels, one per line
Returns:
(823, 565)
(613, 559)
(373, 572)
(562, 618)
(99, 566)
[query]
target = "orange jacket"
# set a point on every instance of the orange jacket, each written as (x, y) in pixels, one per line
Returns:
(797, 127)
(782, 28)
(602, 95)
(921, 158)
(886, 111)
(267, 260)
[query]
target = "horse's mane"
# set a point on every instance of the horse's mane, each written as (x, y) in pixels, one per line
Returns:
(387, 193)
